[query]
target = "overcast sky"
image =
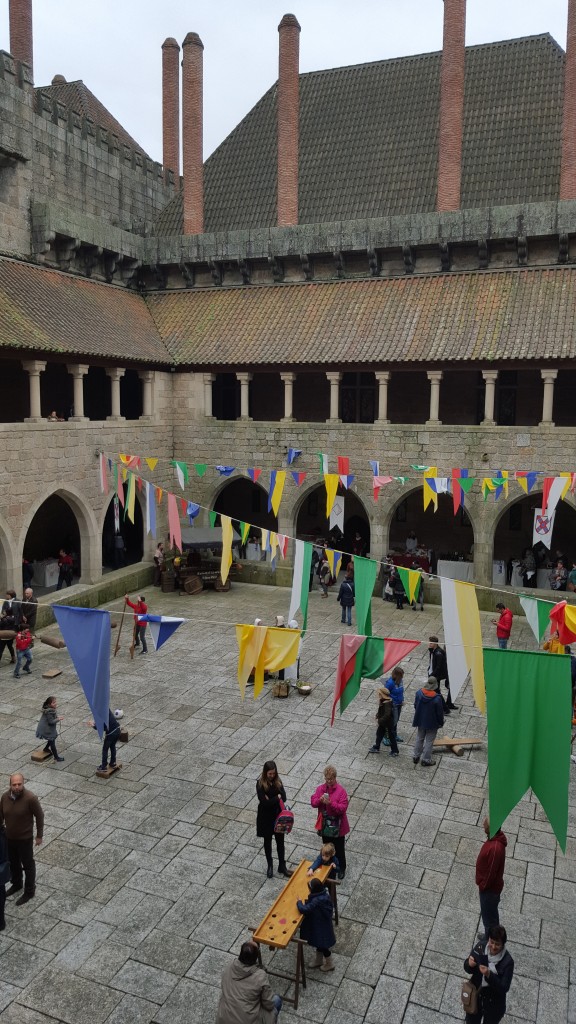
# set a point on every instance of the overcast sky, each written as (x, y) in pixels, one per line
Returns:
(115, 45)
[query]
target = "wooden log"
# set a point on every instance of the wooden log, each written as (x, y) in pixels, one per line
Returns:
(108, 771)
(41, 755)
(57, 644)
(7, 634)
(456, 745)
(51, 673)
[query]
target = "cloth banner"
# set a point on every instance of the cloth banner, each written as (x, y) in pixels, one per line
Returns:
(553, 489)
(528, 737)
(365, 657)
(331, 481)
(131, 497)
(150, 509)
(86, 633)
(225, 470)
(103, 474)
(334, 559)
(174, 531)
(543, 528)
(277, 481)
(411, 580)
(537, 614)
(244, 532)
(118, 486)
(526, 480)
(298, 478)
(264, 649)
(301, 581)
(337, 515)
(343, 463)
(428, 490)
(323, 463)
(227, 535)
(378, 482)
(365, 570)
(463, 635)
(181, 472)
(292, 454)
(161, 627)
(563, 619)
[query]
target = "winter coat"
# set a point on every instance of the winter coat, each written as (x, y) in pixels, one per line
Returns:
(246, 996)
(318, 863)
(30, 611)
(437, 664)
(385, 713)
(428, 710)
(396, 691)
(504, 624)
(493, 995)
(268, 809)
(317, 928)
(4, 862)
(490, 864)
(336, 806)
(46, 729)
(23, 640)
(346, 594)
(396, 584)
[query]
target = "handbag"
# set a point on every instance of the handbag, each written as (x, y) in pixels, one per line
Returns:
(469, 996)
(285, 821)
(331, 826)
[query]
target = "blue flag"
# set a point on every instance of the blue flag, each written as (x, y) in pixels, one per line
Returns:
(161, 627)
(292, 455)
(86, 633)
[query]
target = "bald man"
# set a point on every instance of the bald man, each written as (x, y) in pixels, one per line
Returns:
(19, 809)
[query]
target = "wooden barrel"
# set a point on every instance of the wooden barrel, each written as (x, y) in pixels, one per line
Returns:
(168, 582)
(193, 585)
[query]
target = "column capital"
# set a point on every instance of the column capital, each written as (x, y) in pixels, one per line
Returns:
(115, 372)
(77, 369)
(434, 375)
(382, 376)
(34, 366)
(244, 378)
(208, 378)
(490, 376)
(548, 376)
(334, 376)
(288, 378)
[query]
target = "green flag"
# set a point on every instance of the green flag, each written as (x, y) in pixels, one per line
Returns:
(212, 517)
(364, 579)
(365, 657)
(411, 580)
(301, 581)
(200, 468)
(537, 614)
(528, 702)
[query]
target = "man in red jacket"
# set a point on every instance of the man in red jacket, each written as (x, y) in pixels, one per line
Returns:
(503, 625)
(490, 875)
(140, 608)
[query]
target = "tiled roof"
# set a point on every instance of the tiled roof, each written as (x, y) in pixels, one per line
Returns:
(79, 98)
(485, 317)
(48, 311)
(369, 140)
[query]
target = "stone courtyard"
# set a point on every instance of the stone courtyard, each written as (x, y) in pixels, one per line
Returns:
(148, 882)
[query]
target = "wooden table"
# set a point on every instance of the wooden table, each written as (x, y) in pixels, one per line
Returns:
(283, 919)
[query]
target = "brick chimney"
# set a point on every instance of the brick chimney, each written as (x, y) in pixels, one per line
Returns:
(288, 113)
(171, 106)
(568, 167)
(21, 43)
(193, 169)
(451, 106)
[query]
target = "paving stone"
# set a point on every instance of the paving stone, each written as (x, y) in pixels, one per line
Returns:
(370, 900)
(552, 1004)
(82, 946)
(540, 880)
(368, 961)
(20, 963)
(352, 997)
(428, 988)
(389, 1001)
(144, 981)
(453, 930)
(8, 993)
(167, 951)
(79, 1001)
(105, 962)
(133, 1011)
(522, 999)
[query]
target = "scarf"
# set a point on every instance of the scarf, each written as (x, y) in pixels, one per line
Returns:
(493, 959)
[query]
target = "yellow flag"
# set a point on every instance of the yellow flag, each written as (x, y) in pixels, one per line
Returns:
(151, 463)
(124, 474)
(429, 494)
(245, 532)
(273, 545)
(566, 487)
(227, 534)
(276, 496)
(331, 480)
(264, 536)
(264, 648)
(330, 553)
(131, 497)
(523, 483)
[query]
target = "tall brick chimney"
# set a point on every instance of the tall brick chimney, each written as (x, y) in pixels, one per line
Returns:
(171, 106)
(568, 167)
(451, 106)
(193, 169)
(21, 41)
(288, 113)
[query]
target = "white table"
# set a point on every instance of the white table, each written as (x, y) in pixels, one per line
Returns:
(456, 570)
(46, 572)
(253, 552)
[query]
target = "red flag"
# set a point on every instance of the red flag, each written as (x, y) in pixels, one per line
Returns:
(183, 505)
(343, 465)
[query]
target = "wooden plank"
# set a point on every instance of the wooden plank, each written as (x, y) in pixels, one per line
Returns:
(41, 755)
(283, 919)
(52, 673)
(456, 744)
(108, 772)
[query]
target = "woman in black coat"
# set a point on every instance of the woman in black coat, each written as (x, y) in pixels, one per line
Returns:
(317, 928)
(270, 791)
(491, 967)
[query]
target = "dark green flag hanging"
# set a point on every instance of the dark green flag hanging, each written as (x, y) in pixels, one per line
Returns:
(528, 706)
(364, 579)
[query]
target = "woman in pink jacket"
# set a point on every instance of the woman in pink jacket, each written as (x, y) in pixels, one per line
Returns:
(331, 799)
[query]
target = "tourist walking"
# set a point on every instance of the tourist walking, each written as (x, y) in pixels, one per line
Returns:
(346, 597)
(47, 728)
(386, 727)
(492, 969)
(503, 625)
(428, 718)
(246, 996)
(317, 928)
(270, 792)
(490, 875)
(331, 800)
(19, 809)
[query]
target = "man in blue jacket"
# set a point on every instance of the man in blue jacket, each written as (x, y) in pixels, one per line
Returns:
(428, 718)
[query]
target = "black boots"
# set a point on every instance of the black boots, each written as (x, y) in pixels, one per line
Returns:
(270, 871)
(283, 870)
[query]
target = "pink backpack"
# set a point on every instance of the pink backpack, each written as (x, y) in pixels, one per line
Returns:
(285, 821)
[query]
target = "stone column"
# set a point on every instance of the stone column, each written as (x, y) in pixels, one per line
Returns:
(334, 379)
(208, 379)
(115, 375)
(147, 378)
(78, 371)
(490, 377)
(383, 378)
(34, 368)
(288, 380)
(548, 376)
(434, 376)
(244, 379)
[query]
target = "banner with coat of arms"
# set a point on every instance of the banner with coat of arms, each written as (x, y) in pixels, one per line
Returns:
(543, 526)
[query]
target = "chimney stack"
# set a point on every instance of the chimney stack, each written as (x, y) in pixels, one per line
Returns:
(568, 167)
(21, 42)
(451, 106)
(171, 106)
(193, 169)
(288, 114)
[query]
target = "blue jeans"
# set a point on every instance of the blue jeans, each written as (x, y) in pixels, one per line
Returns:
(502, 643)
(489, 909)
(347, 614)
(277, 1000)
(20, 657)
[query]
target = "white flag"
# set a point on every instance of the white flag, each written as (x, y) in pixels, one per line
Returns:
(543, 526)
(337, 514)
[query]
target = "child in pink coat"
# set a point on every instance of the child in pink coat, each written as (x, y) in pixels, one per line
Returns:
(331, 799)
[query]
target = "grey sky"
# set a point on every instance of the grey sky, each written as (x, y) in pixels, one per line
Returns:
(115, 45)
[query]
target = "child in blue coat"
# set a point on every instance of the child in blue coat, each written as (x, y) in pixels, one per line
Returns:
(317, 927)
(346, 597)
(326, 856)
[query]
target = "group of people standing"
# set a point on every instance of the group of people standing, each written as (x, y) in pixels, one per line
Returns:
(18, 617)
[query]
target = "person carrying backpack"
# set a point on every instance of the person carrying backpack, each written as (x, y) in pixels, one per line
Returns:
(346, 597)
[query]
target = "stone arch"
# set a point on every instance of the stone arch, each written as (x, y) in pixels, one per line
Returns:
(88, 532)
(244, 501)
(512, 528)
(10, 573)
(132, 533)
(442, 531)
(310, 521)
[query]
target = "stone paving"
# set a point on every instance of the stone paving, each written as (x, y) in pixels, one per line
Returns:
(147, 883)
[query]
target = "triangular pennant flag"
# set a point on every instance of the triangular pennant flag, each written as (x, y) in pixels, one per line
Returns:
(103, 474)
(131, 497)
(277, 481)
(298, 478)
(375, 466)
(293, 454)
(334, 559)
(183, 505)
(331, 482)
(200, 468)
(365, 657)
(174, 530)
(139, 482)
(159, 493)
(323, 463)
(461, 485)
(181, 472)
(86, 633)
(273, 541)
(192, 510)
(536, 752)
(301, 581)
(343, 465)
(378, 482)
(263, 649)
(569, 484)
(161, 627)
(225, 470)
(551, 494)
(265, 540)
(212, 516)
(429, 493)
(151, 463)
(118, 486)
(501, 488)
(463, 634)
(537, 614)
(283, 544)
(527, 480)
(150, 509)
(130, 461)
(244, 531)
(254, 474)
(563, 620)
(346, 481)
(227, 535)
(365, 570)
(411, 580)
